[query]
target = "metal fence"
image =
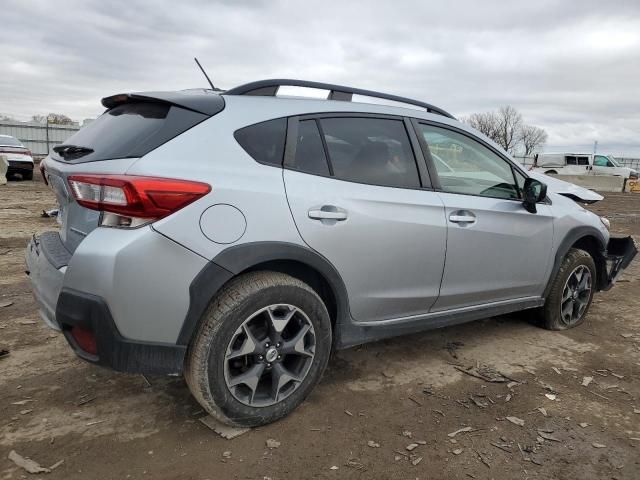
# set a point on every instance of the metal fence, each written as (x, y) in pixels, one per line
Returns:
(630, 162)
(38, 137)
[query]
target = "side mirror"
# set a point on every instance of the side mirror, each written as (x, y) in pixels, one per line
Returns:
(533, 192)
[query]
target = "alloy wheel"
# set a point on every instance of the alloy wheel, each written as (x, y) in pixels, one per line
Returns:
(269, 355)
(576, 295)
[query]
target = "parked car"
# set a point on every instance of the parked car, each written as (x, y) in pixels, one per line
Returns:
(238, 238)
(19, 157)
(582, 164)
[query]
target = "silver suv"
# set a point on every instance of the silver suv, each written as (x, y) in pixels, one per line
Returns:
(238, 238)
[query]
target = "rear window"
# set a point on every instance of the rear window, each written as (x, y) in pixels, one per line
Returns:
(264, 141)
(132, 130)
(9, 141)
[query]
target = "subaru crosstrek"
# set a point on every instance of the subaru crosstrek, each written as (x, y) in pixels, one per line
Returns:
(238, 238)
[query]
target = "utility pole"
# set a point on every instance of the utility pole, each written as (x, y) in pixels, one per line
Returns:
(595, 147)
(47, 130)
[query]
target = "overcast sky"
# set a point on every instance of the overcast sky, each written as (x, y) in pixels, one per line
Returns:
(571, 67)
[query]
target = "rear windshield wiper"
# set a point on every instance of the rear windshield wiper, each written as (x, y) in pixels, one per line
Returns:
(72, 151)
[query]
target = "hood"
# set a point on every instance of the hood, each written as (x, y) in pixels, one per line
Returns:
(567, 189)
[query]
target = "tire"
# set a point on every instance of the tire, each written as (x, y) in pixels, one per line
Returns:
(236, 319)
(27, 176)
(552, 316)
(550, 172)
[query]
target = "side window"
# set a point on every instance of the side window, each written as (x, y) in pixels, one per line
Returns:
(371, 150)
(264, 141)
(583, 160)
(310, 157)
(468, 167)
(571, 160)
(601, 161)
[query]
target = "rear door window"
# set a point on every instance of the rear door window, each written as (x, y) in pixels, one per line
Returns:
(375, 151)
(131, 130)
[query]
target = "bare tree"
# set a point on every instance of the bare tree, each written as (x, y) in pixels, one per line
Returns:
(486, 123)
(506, 128)
(53, 119)
(59, 119)
(532, 139)
(509, 126)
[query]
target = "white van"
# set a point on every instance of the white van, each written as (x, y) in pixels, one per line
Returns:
(582, 164)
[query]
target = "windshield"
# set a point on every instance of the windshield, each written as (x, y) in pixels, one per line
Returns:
(9, 141)
(613, 160)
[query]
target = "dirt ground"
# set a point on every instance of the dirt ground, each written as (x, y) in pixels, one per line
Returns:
(407, 390)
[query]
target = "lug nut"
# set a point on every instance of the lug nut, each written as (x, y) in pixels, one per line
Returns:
(278, 345)
(268, 365)
(279, 357)
(266, 345)
(260, 357)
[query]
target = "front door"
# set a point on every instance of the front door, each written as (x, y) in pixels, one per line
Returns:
(357, 198)
(496, 250)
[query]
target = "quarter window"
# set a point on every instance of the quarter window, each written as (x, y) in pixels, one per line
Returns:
(466, 166)
(370, 150)
(264, 141)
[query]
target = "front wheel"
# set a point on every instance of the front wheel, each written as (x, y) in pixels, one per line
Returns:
(263, 345)
(571, 292)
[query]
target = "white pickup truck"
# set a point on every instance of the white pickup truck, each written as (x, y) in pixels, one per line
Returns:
(581, 164)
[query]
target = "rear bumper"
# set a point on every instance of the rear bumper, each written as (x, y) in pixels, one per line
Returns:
(63, 308)
(91, 313)
(18, 166)
(620, 253)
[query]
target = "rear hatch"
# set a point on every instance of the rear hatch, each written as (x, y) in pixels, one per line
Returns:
(132, 126)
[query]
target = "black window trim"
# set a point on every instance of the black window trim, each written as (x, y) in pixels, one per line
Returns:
(290, 150)
(437, 186)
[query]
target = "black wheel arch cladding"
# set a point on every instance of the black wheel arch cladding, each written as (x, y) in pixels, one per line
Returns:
(240, 258)
(590, 239)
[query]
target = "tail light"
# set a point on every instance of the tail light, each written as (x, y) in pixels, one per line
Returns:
(132, 201)
(16, 150)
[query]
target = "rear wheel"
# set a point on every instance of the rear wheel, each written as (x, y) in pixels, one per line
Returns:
(263, 345)
(571, 292)
(550, 172)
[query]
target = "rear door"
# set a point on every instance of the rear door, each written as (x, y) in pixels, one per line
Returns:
(496, 250)
(360, 199)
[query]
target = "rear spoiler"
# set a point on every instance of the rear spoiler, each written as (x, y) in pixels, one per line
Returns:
(201, 101)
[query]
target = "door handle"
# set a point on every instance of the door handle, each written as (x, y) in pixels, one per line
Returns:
(462, 216)
(327, 212)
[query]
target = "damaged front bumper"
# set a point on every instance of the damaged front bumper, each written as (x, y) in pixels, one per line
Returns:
(620, 252)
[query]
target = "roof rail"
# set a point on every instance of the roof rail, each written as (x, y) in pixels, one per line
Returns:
(269, 88)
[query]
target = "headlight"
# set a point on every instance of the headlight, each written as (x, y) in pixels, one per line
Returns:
(606, 222)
